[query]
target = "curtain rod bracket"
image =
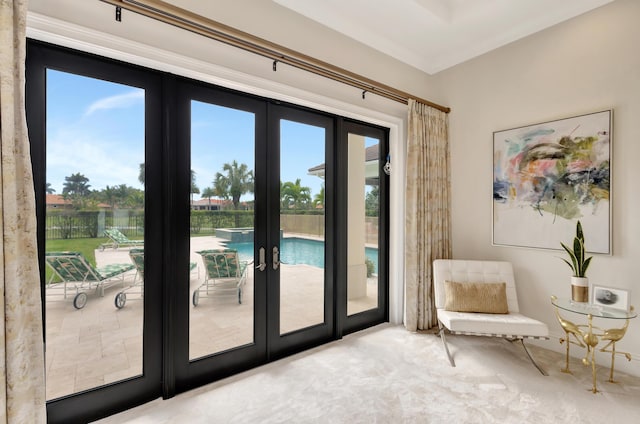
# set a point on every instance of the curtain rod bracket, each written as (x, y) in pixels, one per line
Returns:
(118, 14)
(363, 94)
(275, 65)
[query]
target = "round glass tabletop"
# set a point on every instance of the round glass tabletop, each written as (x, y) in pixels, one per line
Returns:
(593, 310)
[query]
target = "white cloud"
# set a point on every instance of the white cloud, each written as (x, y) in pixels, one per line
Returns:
(119, 101)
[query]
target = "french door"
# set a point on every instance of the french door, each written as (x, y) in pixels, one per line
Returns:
(250, 230)
(96, 149)
(253, 157)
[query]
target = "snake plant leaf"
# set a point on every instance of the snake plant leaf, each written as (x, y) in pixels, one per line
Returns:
(578, 250)
(579, 233)
(568, 263)
(585, 265)
(573, 258)
(578, 262)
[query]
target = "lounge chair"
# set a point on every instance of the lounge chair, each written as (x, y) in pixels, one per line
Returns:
(137, 257)
(119, 240)
(478, 298)
(225, 274)
(78, 276)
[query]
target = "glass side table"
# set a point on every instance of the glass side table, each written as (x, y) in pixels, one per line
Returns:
(589, 336)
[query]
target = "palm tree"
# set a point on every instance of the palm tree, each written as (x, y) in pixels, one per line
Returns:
(49, 189)
(295, 194)
(76, 184)
(75, 187)
(194, 188)
(237, 181)
(110, 196)
(208, 193)
(318, 199)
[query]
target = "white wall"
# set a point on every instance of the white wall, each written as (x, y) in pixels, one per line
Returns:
(587, 64)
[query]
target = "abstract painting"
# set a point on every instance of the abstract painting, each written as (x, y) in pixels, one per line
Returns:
(548, 176)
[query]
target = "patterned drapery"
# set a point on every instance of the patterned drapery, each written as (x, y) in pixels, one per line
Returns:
(22, 392)
(428, 216)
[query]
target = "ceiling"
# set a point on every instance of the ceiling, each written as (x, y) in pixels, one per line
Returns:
(433, 35)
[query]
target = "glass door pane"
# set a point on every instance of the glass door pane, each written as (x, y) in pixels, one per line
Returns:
(95, 153)
(221, 303)
(363, 206)
(302, 225)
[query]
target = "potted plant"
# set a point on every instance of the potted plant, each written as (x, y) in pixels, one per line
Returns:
(579, 265)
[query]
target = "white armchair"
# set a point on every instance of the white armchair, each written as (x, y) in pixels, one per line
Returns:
(479, 298)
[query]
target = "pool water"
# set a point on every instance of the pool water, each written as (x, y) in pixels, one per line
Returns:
(294, 250)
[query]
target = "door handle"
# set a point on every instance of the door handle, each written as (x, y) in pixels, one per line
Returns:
(276, 257)
(262, 265)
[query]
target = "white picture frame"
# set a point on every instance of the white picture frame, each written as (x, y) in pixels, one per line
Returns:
(548, 176)
(610, 297)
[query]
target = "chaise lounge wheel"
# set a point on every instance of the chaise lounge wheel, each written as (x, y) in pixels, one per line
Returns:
(80, 300)
(195, 298)
(120, 300)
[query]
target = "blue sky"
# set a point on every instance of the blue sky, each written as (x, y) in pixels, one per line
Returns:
(96, 128)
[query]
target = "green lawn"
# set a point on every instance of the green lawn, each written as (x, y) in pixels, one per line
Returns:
(86, 246)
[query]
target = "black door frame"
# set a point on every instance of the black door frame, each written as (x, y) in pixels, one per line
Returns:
(190, 374)
(94, 404)
(280, 345)
(165, 216)
(352, 323)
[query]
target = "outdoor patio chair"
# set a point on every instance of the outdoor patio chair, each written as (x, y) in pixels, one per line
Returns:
(119, 240)
(225, 274)
(78, 276)
(137, 257)
(478, 298)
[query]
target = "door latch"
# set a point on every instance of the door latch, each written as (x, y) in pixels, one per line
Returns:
(276, 257)
(262, 265)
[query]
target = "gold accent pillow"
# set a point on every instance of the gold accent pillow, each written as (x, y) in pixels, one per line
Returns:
(490, 298)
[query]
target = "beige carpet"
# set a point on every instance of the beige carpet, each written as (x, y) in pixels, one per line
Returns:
(389, 375)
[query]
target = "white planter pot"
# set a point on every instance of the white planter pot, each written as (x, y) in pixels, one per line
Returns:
(580, 289)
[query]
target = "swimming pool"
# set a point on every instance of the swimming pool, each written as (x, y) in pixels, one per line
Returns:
(295, 250)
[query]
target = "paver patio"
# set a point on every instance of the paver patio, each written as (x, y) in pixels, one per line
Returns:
(101, 344)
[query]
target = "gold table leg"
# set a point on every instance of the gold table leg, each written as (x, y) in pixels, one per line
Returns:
(615, 335)
(591, 341)
(569, 329)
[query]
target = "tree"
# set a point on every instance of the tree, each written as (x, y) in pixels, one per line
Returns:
(76, 189)
(318, 199)
(294, 194)
(194, 188)
(109, 195)
(208, 193)
(49, 189)
(236, 181)
(121, 196)
(372, 201)
(141, 174)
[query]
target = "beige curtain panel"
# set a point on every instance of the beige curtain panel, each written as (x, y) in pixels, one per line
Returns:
(22, 394)
(428, 217)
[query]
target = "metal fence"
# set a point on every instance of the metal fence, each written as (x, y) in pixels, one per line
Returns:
(91, 224)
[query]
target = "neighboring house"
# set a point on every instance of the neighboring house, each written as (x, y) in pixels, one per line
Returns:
(208, 204)
(57, 201)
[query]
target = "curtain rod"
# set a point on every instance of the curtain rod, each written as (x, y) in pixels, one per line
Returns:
(181, 18)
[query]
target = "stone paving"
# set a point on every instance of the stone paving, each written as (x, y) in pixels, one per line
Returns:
(101, 344)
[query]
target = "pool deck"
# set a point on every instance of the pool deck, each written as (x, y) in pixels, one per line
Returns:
(101, 344)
